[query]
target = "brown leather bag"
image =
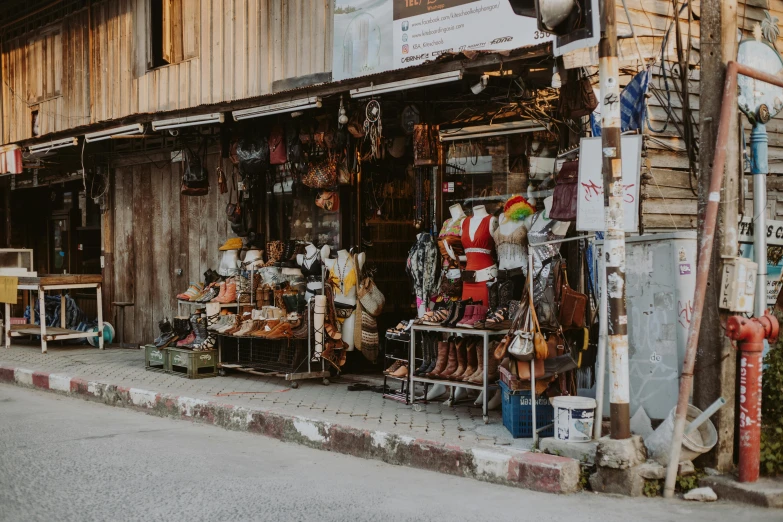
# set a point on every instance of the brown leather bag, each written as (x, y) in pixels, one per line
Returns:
(523, 369)
(571, 306)
(277, 149)
(565, 193)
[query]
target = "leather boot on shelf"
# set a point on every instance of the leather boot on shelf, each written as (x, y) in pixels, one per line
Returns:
(462, 356)
(468, 316)
(440, 362)
(433, 347)
(478, 375)
(493, 365)
(221, 293)
(167, 335)
(451, 366)
(452, 309)
(472, 361)
(459, 313)
(426, 342)
(199, 325)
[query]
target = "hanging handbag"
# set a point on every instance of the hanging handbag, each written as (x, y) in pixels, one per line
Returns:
(222, 182)
(321, 173)
(529, 342)
(425, 145)
(571, 305)
(565, 193)
(195, 180)
(253, 153)
(577, 99)
(293, 146)
(371, 297)
(277, 149)
(328, 200)
(233, 209)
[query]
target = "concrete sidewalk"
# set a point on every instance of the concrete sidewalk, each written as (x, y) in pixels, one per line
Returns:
(362, 423)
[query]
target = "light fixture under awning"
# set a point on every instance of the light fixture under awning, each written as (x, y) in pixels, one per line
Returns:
(495, 129)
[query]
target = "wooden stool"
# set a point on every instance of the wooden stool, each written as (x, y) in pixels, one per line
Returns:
(119, 313)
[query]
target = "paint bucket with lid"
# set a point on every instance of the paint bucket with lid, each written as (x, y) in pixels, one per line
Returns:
(574, 418)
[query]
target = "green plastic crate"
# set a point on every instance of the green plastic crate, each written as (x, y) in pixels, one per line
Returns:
(155, 359)
(190, 364)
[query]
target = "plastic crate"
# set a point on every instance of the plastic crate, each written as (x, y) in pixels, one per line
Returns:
(155, 359)
(190, 364)
(518, 413)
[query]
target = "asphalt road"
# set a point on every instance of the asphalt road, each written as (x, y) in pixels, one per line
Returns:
(64, 459)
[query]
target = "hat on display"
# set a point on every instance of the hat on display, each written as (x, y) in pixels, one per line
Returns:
(253, 254)
(518, 208)
(232, 243)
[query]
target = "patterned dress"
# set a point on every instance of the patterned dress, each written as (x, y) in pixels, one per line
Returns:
(422, 267)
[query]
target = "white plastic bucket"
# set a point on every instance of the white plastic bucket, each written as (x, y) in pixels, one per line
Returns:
(574, 418)
(700, 441)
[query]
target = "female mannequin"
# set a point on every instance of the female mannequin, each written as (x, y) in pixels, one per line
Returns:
(540, 230)
(478, 243)
(511, 244)
(450, 238)
(344, 276)
(311, 266)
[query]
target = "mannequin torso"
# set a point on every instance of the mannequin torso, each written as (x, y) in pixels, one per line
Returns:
(511, 243)
(311, 264)
(343, 274)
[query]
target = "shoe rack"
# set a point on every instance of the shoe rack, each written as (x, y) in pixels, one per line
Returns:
(485, 387)
(398, 387)
(290, 359)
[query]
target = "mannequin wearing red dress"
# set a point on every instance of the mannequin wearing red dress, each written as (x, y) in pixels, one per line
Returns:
(478, 244)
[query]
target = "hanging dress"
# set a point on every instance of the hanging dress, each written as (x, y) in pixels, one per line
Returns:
(422, 268)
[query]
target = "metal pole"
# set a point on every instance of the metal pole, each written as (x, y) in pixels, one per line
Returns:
(728, 111)
(601, 362)
(614, 243)
(759, 168)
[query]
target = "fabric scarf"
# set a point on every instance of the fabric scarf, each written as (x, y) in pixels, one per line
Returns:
(633, 107)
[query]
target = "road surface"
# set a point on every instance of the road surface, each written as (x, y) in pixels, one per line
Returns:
(64, 459)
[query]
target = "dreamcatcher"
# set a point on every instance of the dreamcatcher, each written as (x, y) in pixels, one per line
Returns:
(373, 129)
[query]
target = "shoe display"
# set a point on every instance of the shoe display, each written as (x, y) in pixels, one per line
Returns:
(195, 289)
(401, 372)
(458, 313)
(209, 294)
(471, 360)
(478, 375)
(442, 359)
(477, 318)
(462, 356)
(229, 293)
(468, 316)
(393, 368)
(167, 335)
(451, 364)
(498, 320)
(436, 317)
(426, 344)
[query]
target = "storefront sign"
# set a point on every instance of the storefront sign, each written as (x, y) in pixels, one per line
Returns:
(590, 189)
(372, 36)
(774, 253)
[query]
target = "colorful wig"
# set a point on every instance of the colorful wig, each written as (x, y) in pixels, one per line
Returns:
(517, 208)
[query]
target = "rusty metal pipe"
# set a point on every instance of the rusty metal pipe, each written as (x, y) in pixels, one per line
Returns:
(728, 111)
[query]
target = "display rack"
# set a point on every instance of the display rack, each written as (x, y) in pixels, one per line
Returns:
(290, 359)
(402, 395)
(484, 388)
(184, 302)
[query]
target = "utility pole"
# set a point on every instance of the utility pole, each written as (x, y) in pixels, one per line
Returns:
(614, 240)
(716, 362)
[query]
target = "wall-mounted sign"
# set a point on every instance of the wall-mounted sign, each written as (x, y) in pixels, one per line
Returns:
(372, 36)
(774, 253)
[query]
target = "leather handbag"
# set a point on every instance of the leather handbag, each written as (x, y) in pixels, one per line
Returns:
(277, 148)
(322, 173)
(565, 193)
(528, 342)
(328, 200)
(577, 99)
(571, 306)
(195, 180)
(523, 369)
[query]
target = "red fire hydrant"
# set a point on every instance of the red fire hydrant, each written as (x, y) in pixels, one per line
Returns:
(750, 334)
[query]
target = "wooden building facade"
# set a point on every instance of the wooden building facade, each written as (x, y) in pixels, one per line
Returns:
(76, 65)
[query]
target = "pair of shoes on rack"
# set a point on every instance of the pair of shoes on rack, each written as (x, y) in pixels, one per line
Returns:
(193, 291)
(437, 315)
(227, 292)
(474, 317)
(167, 334)
(394, 367)
(462, 360)
(500, 319)
(456, 312)
(401, 332)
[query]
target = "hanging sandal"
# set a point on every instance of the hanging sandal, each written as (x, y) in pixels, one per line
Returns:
(332, 332)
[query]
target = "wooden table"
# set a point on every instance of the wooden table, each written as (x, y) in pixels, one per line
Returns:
(49, 283)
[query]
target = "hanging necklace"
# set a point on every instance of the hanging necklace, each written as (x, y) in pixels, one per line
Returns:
(341, 273)
(311, 259)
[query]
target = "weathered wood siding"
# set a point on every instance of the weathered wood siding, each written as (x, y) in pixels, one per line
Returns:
(231, 50)
(157, 231)
(667, 199)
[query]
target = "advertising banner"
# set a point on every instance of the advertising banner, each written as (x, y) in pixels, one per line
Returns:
(372, 36)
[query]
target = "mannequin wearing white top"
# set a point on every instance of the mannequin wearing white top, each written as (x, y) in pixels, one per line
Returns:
(508, 227)
(349, 297)
(305, 261)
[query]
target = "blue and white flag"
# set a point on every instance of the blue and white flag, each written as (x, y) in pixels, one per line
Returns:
(633, 108)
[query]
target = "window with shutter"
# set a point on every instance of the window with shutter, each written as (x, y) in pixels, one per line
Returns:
(44, 66)
(173, 31)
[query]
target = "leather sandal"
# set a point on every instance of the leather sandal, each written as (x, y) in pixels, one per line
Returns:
(498, 320)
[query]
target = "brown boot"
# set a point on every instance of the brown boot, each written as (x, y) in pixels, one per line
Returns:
(462, 356)
(493, 365)
(440, 363)
(451, 367)
(478, 375)
(472, 361)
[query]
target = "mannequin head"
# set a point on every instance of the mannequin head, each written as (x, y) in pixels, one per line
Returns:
(479, 211)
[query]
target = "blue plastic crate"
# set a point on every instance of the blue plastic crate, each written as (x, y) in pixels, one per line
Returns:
(518, 413)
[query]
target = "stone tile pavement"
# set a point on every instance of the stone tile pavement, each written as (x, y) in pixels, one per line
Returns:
(365, 410)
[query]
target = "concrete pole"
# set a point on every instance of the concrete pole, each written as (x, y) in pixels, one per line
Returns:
(614, 241)
(759, 168)
(716, 361)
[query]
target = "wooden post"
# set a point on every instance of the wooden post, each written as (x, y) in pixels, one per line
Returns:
(42, 315)
(614, 243)
(100, 317)
(62, 309)
(716, 362)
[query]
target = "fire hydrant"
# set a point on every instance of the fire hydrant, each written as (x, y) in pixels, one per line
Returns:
(750, 334)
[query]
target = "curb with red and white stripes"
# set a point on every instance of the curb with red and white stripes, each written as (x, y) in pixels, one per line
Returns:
(525, 469)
